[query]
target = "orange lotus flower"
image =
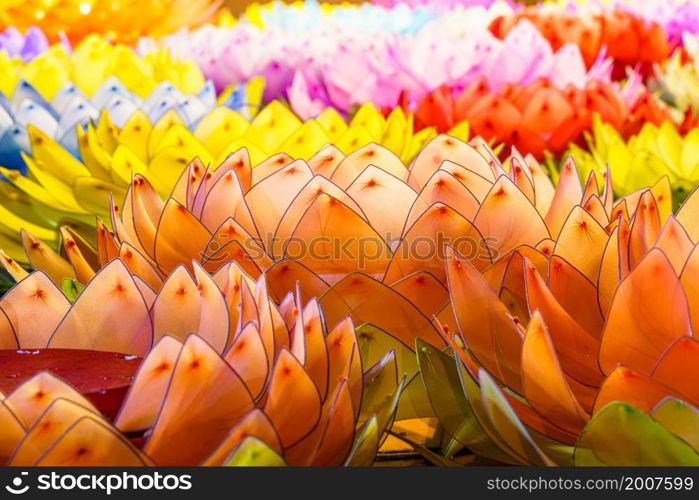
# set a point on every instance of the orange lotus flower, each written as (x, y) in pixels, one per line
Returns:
(594, 339)
(338, 224)
(254, 375)
(538, 117)
(628, 39)
(363, 233)
(118, 20)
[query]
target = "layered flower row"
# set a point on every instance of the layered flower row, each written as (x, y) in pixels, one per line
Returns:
(539, 289)
(227, 376)
(339, 66)
(62, 189)
(118, 20)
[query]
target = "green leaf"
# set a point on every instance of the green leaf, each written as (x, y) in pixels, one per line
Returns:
(500, 450)
(680, 418)
(506, 423)
(622, 435)
(5, 286)
(387, 414)
(425, 452)
(365, 447)
(374, 343)
(380, 382)
(71, 288)
(252, 452)
(441, 380)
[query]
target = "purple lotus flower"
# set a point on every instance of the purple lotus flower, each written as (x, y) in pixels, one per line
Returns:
(27, 46)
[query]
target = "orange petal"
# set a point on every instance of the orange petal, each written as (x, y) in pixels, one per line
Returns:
(121, 323)
(34, 307)
(629, 386)
(254, 423)
(284, 274)
(645, 228)
(423, 246)
(568, 194)
(576, 348)
(581, 242)
(344, 362)
(270, 166)
(80, 255)
(485, 325)
(495, 273)
(326, 160)
(678, 368)
(332, 240)
(595, 208)
(224, 200)
(147, 208)
(293, 403)
(614, 265)
(384, 199)
(203, 402)
(180, 239)
(107, 247)
(443, 187)
(424, 290)
(688, 215)
(30, 400)
(297, 208)
(269, 199)
(507, 219)
(248, 358)
(240, 162)
(11, 432)
(369, 301)
(441, 148)
(91, 442)
(648, 313)
(689, 278)
(17, 272)
(58, 417)
(543, 383)
(183, 307)
(350, 168)
(338, 435)
(477, 185)
(521, 178)
(139, 266)
(43, 258)
(576, 294)
(543, 187)
(141, 405)
(675, 243)
(308, 343)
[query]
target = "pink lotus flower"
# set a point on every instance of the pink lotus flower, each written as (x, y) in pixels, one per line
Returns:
(342, 66)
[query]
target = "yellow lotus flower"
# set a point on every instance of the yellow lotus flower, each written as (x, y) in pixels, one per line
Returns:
(62, 190)
(119, 20)
(644, 159)
(91, 62)
(679, 79)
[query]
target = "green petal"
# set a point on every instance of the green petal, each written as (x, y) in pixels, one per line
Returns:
(680, 418)
(252, 452)
(622, 435)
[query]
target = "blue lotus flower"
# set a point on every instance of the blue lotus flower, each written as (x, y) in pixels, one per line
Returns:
(70, 108)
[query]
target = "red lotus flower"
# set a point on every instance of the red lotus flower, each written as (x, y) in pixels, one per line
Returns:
(537, 117)
(628, 39)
